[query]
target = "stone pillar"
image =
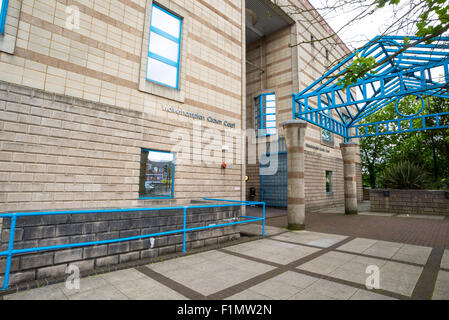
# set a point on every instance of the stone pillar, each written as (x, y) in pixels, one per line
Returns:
(348, 151)
(295, 132)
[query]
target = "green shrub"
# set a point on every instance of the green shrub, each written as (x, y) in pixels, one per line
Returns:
(440, 184)
(404, 175)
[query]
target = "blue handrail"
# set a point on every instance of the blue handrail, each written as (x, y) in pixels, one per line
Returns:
(13, 216)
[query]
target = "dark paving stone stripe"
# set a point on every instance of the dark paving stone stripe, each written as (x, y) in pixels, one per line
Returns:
(426, 282)
(176, 286)
(244, 256)
(298, 244)
(352, 284)
(444, 269)
(353, 253)
(228, 292)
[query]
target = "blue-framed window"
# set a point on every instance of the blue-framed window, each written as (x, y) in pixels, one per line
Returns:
(164, 49)
(328, 182)
(265, 114)
(3, 10)
(326, 135)
(157, 174)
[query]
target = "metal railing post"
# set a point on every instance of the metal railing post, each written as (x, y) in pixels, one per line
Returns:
(9, 256)
(263, 221)
(184, 231)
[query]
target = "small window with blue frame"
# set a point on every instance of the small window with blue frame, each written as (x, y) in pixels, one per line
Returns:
(164, 50)
(3, 10)
(265, 114)
(157, 173)
(326, 135)
(328, 182)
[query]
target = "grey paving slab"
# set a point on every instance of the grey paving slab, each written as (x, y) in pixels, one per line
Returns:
(52, 292)
(332, 290)
(383, 249)
(327, 263)
(322, 240)
(368, 295)
(86, 284)
(442, 286)
(400, 278)
(295, 279)
(248, 295)
(127, 275)
(412, 253)
(146, 288)
(284, 286)
(168, 266)
(445, 260)
(107, 292)
(207, 284)
(358, 245)
(351, 271)
(237, 275)
(343, 266)
(275, 251)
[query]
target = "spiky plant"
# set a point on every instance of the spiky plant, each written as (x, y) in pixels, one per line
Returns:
(404, 175)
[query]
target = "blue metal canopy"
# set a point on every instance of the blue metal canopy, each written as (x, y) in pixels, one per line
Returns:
(404, 68)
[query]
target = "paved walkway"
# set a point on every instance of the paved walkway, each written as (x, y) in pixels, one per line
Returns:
(328, 261)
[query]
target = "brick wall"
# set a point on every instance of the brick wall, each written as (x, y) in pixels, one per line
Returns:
(410, 202)
(41, 231)
(74, 116)
(58, 152)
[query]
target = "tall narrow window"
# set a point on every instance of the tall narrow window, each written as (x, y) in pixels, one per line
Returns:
(164, 48)
(265, 114)
(3, 9)
(326, 135)
(157, 173)
(328, 182)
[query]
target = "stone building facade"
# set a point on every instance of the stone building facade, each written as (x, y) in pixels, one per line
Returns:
(79, 104)
(287, 61)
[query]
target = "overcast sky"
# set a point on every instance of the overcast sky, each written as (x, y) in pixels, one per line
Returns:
(362, 30)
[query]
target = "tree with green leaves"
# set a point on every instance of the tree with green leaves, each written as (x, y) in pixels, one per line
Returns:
(427, 149)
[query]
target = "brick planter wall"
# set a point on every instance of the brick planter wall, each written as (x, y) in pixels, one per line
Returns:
(64, 229)
(366, 194)
(410, 202)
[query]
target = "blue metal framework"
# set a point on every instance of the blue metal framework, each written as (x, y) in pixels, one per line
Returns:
(405, 68)
(274, 187)
(265, 114)
(166, 35)
(226, 203)
(3, 11)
